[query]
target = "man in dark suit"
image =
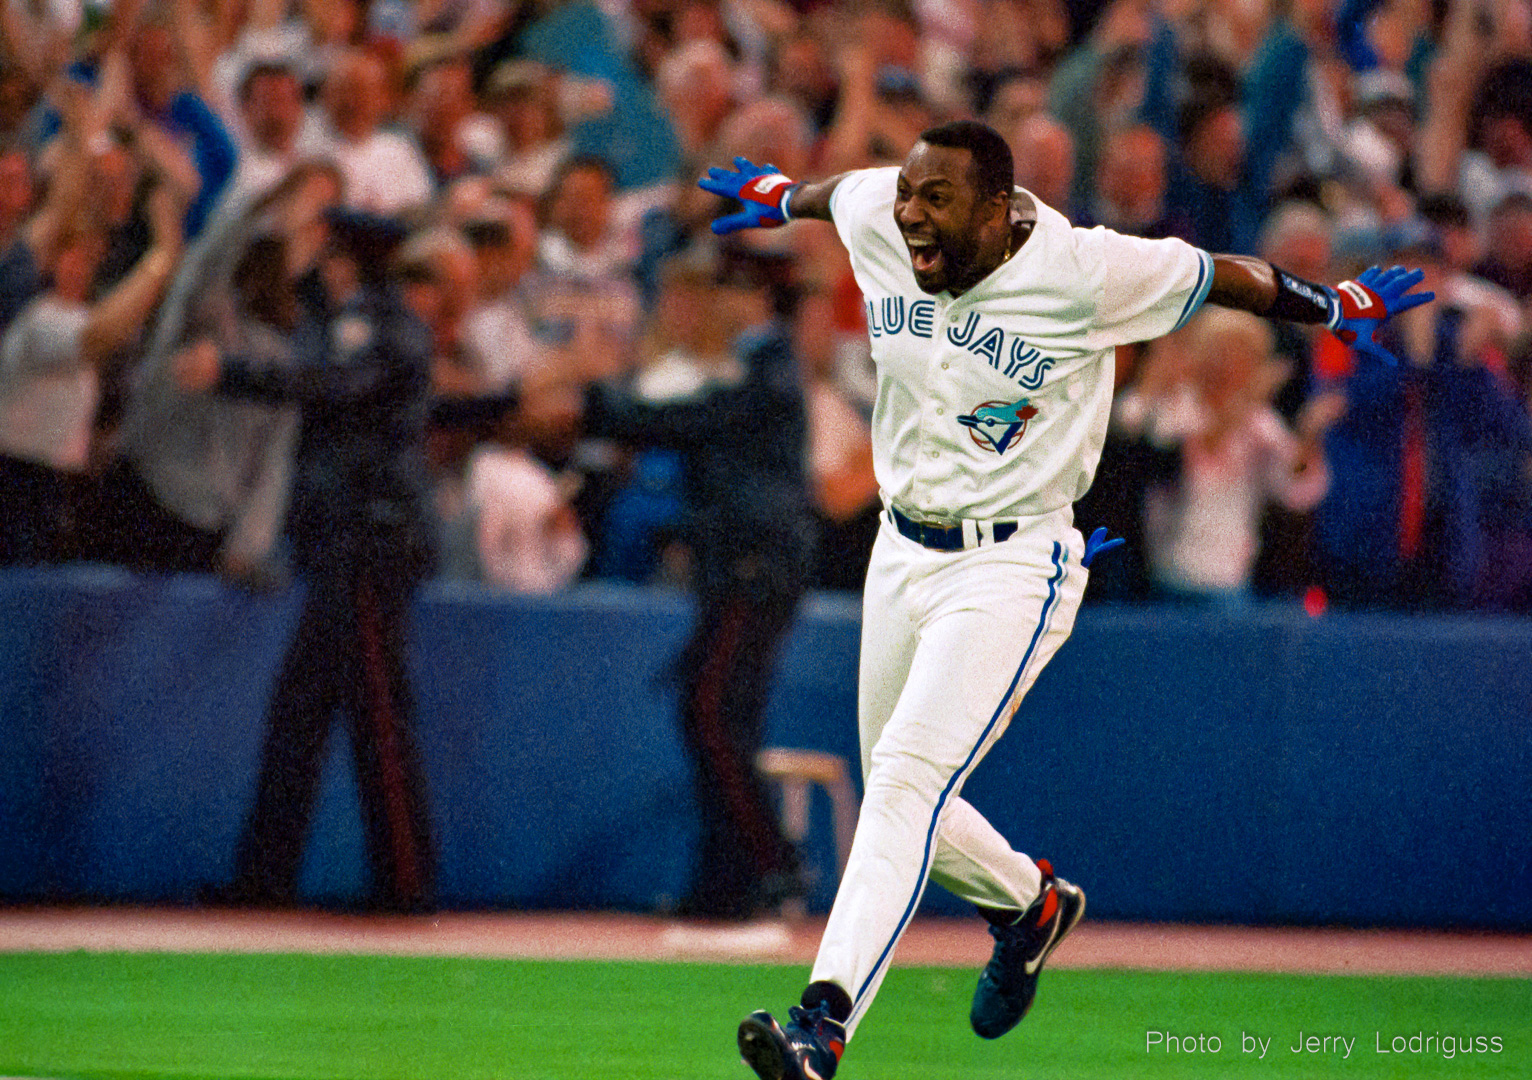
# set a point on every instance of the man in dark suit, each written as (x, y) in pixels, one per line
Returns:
(362, 539)
(750, 530)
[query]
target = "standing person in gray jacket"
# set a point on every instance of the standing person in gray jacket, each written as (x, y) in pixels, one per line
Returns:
(202, 481)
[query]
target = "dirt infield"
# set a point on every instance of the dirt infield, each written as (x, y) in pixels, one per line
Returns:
(609, 936)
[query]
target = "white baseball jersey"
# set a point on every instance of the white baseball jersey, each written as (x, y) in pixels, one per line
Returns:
(994, 404)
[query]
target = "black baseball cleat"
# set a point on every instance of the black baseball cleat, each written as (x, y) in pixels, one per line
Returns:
(809, 1048)
(1009, 981)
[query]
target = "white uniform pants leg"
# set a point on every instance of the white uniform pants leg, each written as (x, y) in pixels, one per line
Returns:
(951, 641)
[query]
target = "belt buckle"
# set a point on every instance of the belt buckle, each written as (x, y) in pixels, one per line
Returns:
(939, 537)
(946, 537)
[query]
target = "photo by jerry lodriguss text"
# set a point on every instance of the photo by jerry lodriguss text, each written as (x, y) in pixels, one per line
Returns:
(1332, 1044)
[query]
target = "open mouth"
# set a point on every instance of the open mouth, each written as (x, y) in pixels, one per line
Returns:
(925, 254)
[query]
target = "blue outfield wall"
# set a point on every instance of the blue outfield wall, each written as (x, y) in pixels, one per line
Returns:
(1263, 767)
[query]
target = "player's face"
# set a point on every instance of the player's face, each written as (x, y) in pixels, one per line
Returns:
(942, 217)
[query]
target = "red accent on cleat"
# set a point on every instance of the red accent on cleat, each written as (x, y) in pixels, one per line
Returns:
(1050, 906)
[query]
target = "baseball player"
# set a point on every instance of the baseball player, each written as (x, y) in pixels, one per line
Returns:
(993, 323)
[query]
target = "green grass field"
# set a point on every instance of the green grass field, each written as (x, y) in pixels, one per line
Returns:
(384, 1018)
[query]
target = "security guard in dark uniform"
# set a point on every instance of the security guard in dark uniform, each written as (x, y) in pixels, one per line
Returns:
(362, 536)
(751, 529)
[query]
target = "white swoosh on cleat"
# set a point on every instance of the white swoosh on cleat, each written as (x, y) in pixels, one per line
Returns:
(1059, 930)
(1031, 966)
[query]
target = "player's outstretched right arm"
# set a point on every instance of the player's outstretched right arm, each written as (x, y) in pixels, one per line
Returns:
(768, 197)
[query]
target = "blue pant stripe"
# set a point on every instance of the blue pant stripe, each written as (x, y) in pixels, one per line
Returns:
(1059, 558)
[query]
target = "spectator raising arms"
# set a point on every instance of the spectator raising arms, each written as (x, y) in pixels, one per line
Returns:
(561, 142)
(50, 361)
(1236, 454)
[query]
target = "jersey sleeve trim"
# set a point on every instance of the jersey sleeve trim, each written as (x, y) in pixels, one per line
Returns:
(1199, 291)
(842, 192)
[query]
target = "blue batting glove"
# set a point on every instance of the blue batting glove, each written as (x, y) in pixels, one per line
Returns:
(1098, 543)
(1359, 307)
(762, 188)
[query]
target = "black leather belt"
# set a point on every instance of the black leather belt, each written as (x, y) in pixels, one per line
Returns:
(949, 537)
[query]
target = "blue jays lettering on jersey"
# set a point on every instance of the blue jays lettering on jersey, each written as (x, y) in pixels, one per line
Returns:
(993, 405)
(1006, 353)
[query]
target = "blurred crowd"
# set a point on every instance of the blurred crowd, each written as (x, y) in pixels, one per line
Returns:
(166, 164)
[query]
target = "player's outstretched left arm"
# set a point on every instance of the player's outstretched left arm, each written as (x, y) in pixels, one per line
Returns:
(767, 197)
(1353, 310)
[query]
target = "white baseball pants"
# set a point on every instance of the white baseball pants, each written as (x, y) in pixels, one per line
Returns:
(951, 641)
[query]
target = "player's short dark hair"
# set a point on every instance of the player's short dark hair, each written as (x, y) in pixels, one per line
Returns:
(994, 171)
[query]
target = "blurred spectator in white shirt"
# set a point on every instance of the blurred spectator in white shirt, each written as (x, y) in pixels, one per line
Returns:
(271, 116)
(456, 138)
(523, 98)
(585, 260)
(580, 238)
(526, 536)
(533, 105)
(501, 327)
(1203, 532)
(384, 169)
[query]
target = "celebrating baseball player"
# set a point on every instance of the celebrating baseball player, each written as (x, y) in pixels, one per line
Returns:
(993, 324)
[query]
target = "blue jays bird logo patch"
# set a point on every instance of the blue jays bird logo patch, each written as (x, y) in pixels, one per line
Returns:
(996, 425)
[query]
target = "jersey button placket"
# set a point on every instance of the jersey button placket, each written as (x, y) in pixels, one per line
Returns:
(927, 451)
(942, 383)
(933, 437)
